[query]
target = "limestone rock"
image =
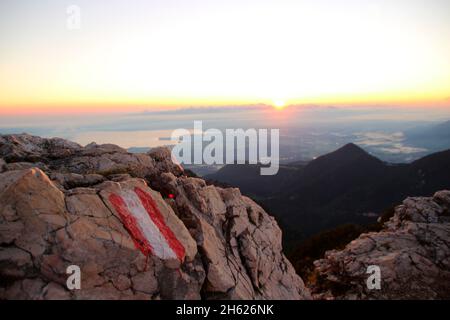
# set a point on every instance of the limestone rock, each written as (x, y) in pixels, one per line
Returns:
(412, 252)
(128, 191)
(74, 180)
(25, 165)
(240, 242)
(46, 231)
(2, 165)
(107, 211)
(67, 157)
(163, 162)
(24, 147)
(94, 149)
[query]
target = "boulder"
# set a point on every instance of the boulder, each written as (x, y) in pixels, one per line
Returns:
(25, 147)
(412, 254)
(44, 231)
(239, 241)
(109, 212)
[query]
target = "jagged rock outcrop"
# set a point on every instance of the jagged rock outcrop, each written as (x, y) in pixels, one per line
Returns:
(137, 227)
(412, 252)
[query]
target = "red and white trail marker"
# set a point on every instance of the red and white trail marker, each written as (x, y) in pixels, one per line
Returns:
(143, 220)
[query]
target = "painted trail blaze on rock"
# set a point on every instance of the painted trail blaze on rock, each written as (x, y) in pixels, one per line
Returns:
(144, 221)
(131, 224)
(152, 208)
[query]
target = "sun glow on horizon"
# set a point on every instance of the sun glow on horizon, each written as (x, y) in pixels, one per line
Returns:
(279, 104)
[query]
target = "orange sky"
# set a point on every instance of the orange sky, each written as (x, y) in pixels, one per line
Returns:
(173, 54)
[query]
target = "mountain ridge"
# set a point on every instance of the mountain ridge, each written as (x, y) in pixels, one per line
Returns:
(339, 188)
(62, 204)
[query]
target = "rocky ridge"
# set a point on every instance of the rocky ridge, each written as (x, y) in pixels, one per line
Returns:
(60, 205)
(412, 253)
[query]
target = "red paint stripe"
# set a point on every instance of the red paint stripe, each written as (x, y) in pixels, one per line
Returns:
(152, 208)
(131, 225)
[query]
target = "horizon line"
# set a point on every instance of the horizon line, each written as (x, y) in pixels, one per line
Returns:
(118, 108)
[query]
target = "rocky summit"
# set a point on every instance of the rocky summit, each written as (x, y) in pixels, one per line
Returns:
(412, 254)
(138, 227)
(135, 225)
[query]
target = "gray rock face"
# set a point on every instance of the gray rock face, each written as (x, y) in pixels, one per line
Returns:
(412, 252)
(24, 147)
(240, 243)
(102, 209)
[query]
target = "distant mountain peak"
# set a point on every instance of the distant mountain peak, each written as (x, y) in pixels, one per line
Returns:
(346, 153)
(352, 148)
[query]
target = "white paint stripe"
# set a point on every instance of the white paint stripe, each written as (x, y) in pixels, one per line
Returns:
(151, 232)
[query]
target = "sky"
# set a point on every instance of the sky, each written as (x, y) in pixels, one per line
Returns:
(138, 55)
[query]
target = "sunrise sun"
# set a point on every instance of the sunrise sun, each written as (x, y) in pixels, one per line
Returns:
(279, 104)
